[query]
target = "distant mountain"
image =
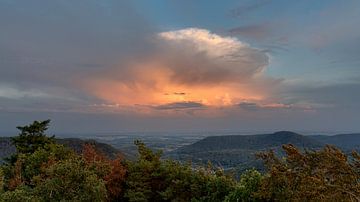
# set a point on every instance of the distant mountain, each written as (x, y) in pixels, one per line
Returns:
(77, 145)
(343, 141)
(238, 151)
(7, 149)
(251, 142)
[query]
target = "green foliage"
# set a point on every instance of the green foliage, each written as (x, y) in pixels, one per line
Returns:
(246, 188)
(20, 194)
(55, 173)
(29, 166)
(145, 178)
(70, 180)
(151, 179)
(325, 175)
(32, 137)
(34, 163)
(185, 183)
(1, 180)
(45, 171)
(216, 186)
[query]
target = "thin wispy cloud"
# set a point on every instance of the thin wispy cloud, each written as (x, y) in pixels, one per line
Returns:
(259, 31)
(248, 7)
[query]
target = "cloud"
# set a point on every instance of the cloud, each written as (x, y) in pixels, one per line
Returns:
(255, 31)
(249, 7)
(187, 66)
(337, 95)
(41, 58)
(249, 106)
(226, 59)
(179, 106)
(14, 93)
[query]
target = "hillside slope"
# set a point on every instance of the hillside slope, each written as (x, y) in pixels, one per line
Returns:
(239, 150)
(251, 142)
(343, 141)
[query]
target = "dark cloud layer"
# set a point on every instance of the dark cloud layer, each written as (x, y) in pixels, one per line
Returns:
(45, 46)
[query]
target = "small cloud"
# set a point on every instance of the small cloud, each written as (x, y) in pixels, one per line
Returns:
(179, 106)
(249, 106)
(15, 93)
(249, 7)
(256, 31)
(179, 93)
(274, 48)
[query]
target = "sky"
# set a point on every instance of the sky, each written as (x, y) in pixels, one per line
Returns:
(171, 65)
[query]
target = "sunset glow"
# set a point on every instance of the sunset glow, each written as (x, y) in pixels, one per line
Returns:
(191, 66)
(154, 87)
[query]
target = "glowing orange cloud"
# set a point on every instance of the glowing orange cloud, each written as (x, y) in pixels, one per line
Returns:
(152, 86)
(188, 66)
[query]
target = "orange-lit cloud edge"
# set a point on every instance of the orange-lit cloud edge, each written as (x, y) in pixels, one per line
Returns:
(191, 71)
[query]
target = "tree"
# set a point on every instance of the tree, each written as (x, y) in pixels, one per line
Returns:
(45, 171)
(32, 137)
(325, 175)
(152, 179)
(54, 173)
(27, 166)
(112, 171)
(70, 180)
(246, 188)
(145, 179)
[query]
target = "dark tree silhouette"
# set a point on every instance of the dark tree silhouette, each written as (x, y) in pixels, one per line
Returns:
(32, 137)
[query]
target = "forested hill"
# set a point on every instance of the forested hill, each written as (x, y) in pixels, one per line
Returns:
(343, 141)
(6, 148)
(251, 142)
(239, 151)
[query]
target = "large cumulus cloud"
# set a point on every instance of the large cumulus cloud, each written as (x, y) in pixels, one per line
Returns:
(188, 65)
(209, 58)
